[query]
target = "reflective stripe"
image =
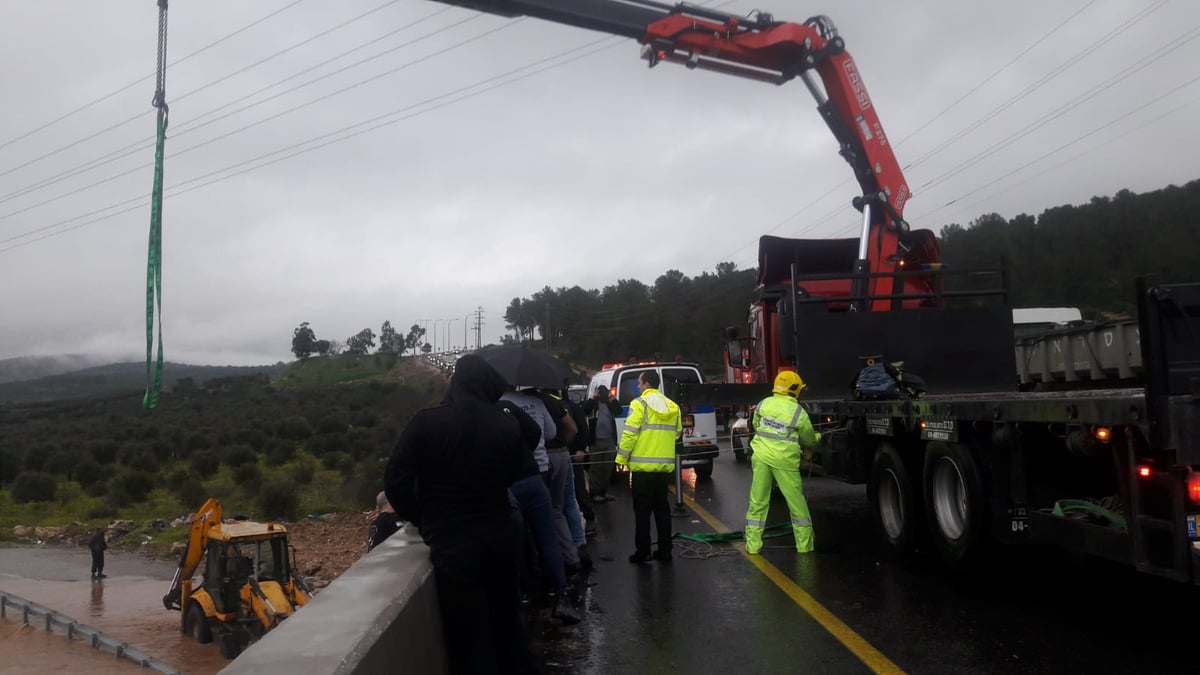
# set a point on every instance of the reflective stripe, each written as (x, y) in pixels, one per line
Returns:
(632, 430)
(796, 417)
(755, 523)
(654, 460)
(776, 437)
(660, 427)
(624, 453)
(803, 522)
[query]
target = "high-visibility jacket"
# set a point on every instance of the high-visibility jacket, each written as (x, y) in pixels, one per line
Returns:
(648, 439)
(780, 427)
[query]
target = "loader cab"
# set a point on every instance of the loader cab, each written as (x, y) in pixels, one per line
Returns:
(232, 564)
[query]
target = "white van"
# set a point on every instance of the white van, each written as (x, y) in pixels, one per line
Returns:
(698, 447)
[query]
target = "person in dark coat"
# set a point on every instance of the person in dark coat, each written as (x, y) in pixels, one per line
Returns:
(98, 545)
(386, 522)
(449, 476)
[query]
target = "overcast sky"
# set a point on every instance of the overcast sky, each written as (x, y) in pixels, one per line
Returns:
(593, 170)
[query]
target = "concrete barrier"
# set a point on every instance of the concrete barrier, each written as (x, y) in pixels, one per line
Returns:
(380, 616)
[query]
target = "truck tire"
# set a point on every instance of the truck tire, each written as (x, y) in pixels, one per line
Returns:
(954, 502)
(704, 471)
(739, 449)
(895, 500)
(195, 624)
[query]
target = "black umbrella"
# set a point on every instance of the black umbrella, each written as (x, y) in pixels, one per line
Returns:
(524, 367)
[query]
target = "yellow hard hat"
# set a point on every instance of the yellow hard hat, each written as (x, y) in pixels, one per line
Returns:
(789, 383)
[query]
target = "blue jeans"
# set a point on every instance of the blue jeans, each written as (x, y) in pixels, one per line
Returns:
(572, 514)
(534, 498)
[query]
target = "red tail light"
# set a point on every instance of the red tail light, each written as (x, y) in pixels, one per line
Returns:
(612, 393)
(1143, 470)
(1193, 486)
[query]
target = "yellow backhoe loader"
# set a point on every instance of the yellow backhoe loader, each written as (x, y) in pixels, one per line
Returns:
(249, 580)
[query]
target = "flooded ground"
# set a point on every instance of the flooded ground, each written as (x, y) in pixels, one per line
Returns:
(126, 605)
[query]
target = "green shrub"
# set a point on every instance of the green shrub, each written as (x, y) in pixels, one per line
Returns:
(246, 474)
(192, 494)
(177, 477)
(133, 484)
(239, 456)
(254, 438)
(303, 469)
(198, 441)
(337, 461)
(333, 424)
(63, 463)
(34, 486)
(328, 443)
(87, 472)
(104, 452)
(205, 463)
(10, 464)
(280, 452)
(295, 428)
(279, 500)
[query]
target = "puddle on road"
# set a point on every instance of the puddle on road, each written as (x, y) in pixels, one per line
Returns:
(127, 606)
(128, 609)
(27, 649)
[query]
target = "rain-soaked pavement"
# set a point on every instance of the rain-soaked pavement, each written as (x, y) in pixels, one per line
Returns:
(127, 605)
(712, 610)
(1024, 611)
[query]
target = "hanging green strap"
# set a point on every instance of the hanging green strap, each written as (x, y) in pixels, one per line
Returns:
(154, 256)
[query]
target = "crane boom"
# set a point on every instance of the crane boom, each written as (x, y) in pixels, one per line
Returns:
(761, 48)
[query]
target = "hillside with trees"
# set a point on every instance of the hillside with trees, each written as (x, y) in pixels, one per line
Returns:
(1086, 256)
(312, 440)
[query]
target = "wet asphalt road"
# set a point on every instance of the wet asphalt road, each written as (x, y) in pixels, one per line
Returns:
(1024, 611)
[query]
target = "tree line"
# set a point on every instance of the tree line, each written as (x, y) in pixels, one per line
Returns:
(1086, 256)
(305, 342)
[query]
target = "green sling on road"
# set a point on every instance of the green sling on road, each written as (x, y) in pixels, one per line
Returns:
(154, 255)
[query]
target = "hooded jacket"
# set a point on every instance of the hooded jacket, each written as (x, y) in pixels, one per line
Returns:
(450, 470)
(648, 439)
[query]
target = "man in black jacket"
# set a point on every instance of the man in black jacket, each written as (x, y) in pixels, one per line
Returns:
(449, 476)
(97, 544)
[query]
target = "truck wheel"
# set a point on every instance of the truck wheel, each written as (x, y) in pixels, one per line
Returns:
(704, 471)
(895, 501)
(195, 624)
(954, 501)
(739, 450)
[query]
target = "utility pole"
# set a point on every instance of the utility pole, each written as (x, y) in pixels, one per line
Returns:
(478, 327)
(547, 326)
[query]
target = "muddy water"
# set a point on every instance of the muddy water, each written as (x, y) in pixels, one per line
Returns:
(126, 605)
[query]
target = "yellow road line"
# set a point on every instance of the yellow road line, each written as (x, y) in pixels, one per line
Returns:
(872, 657)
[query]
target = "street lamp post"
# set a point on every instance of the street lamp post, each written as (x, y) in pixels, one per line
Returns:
(447, 340)
(465, 322)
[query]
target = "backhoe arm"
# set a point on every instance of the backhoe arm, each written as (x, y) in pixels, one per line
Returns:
(199, 523)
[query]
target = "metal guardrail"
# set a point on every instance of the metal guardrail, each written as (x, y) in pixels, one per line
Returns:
(51, 620)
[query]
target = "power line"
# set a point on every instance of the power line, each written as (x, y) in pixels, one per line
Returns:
(267, 119)
(1077, 140)
(995, 74)
(1054, 72)
(109, 95)
(378, 122)
(1100, 87)
(139, 146)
